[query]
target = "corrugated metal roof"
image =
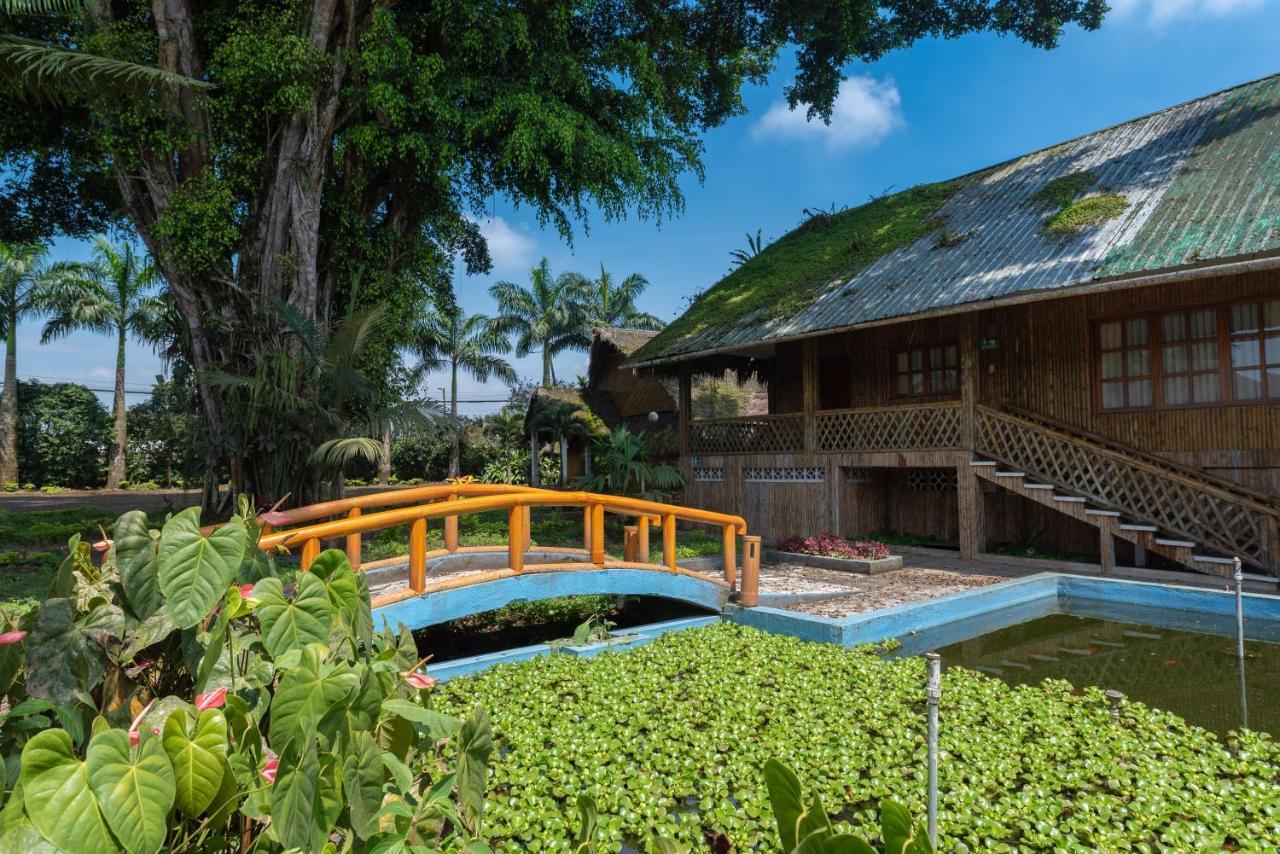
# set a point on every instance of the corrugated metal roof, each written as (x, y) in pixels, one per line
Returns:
(1202, 180)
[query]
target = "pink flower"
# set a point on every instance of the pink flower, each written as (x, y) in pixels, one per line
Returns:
(134, 737)
(245, 590)
(421, 681)
(10, 638)
(274, 518)
(269, 770)
(211, 699)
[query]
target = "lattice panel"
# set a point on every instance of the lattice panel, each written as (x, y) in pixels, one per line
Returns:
(774, 434)
(904, 428)
(788, 474)
(708, 475)
(1199, 513)
(931, 480)
(855, 476)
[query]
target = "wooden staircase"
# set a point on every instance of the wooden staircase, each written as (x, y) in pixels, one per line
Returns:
(1193, 519)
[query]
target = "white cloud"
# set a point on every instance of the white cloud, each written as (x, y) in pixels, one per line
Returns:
(103, 374)
(866, 111)
(512, 249)
(1160, 12)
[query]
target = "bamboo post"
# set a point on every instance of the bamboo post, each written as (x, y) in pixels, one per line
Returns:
(730, 538)
(310, 551)
(642, 539)
(669, 541)
(451, 529)
(353, 541)
(750, 571)
(933, 695)
(515, 539)
(597, 534)
(526, 525)
(418, 555)
(630, 542)
(586, 529)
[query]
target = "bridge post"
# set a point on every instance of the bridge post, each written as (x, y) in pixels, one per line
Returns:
(418, 555)
(597, 534)
(729, 536)
(353, 541)
(669, 541)
(630, 542)
(526, 525)
(642, 539)
(750, 572)
(310, 551)
(515, 539)
(586, 529)
(451, 528)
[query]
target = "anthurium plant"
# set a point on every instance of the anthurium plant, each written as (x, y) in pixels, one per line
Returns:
(178, 695)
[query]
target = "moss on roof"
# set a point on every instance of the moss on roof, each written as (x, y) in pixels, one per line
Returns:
(1062, 191)
(790, 272)
(1085, 213)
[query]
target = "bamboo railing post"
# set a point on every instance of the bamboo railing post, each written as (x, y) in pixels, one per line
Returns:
(418, 555)
(310, 551)
(515, 539)
(526, 525)
(597, 534)
(730, 538)
(642, 539)
(750, 572)
(586, 529)
(451, 528)
(669, 541)
(630, 542)
(353, 541)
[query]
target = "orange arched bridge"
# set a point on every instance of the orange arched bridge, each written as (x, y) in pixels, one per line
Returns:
(426, 587)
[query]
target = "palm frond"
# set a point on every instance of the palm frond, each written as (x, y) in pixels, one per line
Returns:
(337, 454)
(49, 72)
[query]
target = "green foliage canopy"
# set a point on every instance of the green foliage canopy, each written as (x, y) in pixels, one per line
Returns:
(63, 434)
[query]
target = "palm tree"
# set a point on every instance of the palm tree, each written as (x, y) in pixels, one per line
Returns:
(545, 316)
(24, 278)
(110, 295)
(605, 304)
(450, 338)
(39, 70)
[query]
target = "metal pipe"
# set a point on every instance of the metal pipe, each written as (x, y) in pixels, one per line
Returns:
(933, 692)
(1238, 575)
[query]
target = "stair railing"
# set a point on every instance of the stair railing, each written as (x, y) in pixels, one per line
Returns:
(1197, 508)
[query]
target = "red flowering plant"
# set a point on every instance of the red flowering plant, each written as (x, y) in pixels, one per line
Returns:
(177, 695)
(829, 545)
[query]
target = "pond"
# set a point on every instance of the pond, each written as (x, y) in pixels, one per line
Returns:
(1190, 670)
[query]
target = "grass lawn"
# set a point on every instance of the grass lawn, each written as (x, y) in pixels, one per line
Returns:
(671, 738)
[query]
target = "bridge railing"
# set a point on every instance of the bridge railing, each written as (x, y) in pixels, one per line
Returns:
(415, 508)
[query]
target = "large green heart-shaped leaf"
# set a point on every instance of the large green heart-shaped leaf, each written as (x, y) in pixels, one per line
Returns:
(194, 570)
(362, 776)
(437, 725)
(475, 743)
(135, 793)
(900, 834)
(306, 694)
(61, 660)
(197, 757)
(135, 552)
(292, 624)
(294, 793)
(57, 797)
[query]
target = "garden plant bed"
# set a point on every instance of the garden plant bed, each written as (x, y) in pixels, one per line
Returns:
(670, 738)
(841, 564)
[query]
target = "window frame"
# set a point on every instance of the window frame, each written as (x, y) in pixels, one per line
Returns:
(926, 370)
(1155, 347)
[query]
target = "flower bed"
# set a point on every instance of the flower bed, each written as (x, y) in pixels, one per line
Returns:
(671, 738)
(829, 545)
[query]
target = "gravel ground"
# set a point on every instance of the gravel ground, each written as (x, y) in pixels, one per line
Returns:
(864, 592)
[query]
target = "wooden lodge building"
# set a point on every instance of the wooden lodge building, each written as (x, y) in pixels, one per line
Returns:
(1077, 350)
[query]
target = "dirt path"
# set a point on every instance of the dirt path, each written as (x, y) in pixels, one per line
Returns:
(846, 593)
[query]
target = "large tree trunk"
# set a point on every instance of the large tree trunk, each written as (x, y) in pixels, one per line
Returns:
(9, 406)
(546, 365)
(119, 441)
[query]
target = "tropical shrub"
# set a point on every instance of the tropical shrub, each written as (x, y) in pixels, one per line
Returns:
(829, 545)
(510, 466)
(63, 435)
(671, 738)
(622, 464)
(177, 695)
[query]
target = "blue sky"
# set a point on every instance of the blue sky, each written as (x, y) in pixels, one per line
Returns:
(937, 110)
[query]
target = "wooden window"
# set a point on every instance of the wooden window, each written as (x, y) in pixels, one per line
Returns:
(1190, 357)
(928, 370)
(1189, 362)
(1125, 347)
(1255, 350)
